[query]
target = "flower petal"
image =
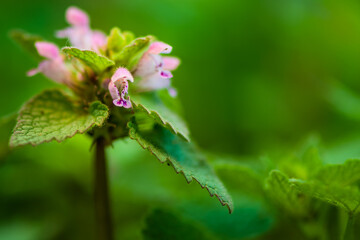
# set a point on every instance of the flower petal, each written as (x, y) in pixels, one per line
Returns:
(48, 50)
(166, 74)
(32, 72)
(172, 92)
(122, 73)
(159, 47)
(121, 102)
(114, 92)
(98, 40)
(154, 82)
(77, 17)
(170, 63)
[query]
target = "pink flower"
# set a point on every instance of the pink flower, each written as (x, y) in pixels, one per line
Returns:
(118, 87)
(80, 33)
(154, 69)
(54, 66)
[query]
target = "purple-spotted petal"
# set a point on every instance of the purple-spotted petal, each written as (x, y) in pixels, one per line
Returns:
(170, 63)
(154, 82)
(114, 92)
(166, 74)
(121, 102)
(122, 73)
(77, 17)
(48, 50)
(159, 47)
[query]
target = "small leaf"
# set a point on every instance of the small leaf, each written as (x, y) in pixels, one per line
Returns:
(340, 174)
(115, 40)
(182, 155)
(131, 54)
(347, 198)
(27, 42)
(96, 62)
(153, 105)
(52, 115)
(284, 194)
(161, 224)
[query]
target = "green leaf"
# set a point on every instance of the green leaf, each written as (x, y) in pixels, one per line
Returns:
(131, 54)
(153, 105)
(239, 178)
(161, 224)
(285, 195)
(115, 40)
(96, 62)
(347, 198)
(340, 174)
(183, 156)
(27, 42)
(52, 115)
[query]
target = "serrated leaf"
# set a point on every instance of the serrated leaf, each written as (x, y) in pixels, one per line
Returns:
(27, 42)
(52, 115)
(153, 105)
(161, 224)
(96, 62)
(183, 156)
(347, 198)
(131, 54)
(340, 174)
(115, 40)
(284, 194)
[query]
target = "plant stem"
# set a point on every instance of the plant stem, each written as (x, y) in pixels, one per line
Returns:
(102, 205)
(349, 231)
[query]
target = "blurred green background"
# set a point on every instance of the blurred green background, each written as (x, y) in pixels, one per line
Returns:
(253, 73)
(257, 77)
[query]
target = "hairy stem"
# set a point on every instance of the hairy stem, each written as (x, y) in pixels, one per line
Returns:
(349, 231)
(102, 205)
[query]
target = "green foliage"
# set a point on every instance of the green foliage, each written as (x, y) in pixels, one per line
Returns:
(183, 156)
(340, 174)
(26, 41)
(130, 55)
(163, 225)
(154, 105)
(51, 115)
(90, 58)
(240, 178)
(116, 40)
(347, 198)
(286, 197)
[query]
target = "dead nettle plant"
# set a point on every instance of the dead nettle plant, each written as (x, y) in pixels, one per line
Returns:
(116, 86)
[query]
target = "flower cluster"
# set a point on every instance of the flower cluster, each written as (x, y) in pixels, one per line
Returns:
(151, 73)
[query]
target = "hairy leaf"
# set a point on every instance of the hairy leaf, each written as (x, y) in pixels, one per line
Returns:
(131, 54)
(154, 106)
(182, 155)
(96, 62)
(115, 40)
(340, 174)
(161, 224)
(284, 194)
(344, 197)
(52, 115)
(27, 42)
